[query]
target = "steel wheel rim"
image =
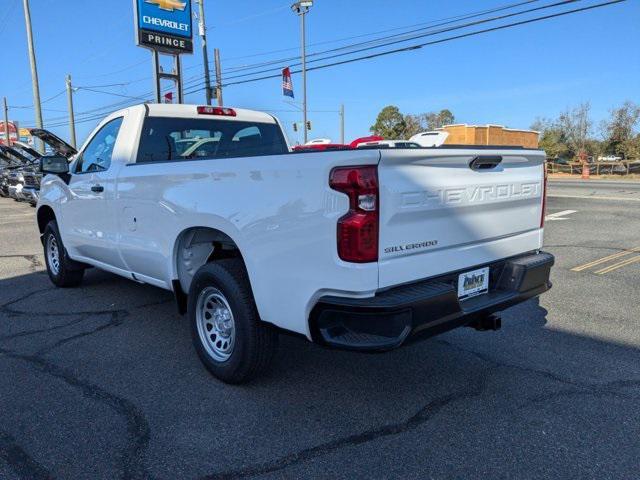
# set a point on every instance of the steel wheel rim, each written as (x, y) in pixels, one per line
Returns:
(53, 254)
(216, 325)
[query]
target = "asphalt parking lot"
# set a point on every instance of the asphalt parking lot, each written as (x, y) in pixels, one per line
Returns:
(101, 381)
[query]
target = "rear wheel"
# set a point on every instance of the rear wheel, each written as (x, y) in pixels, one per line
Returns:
(62, 271)
(231, 340)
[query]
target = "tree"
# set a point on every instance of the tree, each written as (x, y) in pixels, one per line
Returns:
(390, 123)
(575, 124)
(434, 120)
(632, 148)
(413, 124)
(552, 139)
(618, 131)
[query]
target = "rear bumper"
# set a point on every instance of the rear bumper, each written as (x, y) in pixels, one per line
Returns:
(426, 308)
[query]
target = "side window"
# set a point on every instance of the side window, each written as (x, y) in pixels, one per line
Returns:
(96, 157)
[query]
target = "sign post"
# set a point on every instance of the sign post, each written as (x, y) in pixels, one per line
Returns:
(165, 27)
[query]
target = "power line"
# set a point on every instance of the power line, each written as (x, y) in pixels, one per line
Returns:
(423, 24)
(442, 40)
(427, 34)
(27, 107)
(5, 20)
(106, 86)
(111, 93)
(87, 117)
(431, 24)
(196, 80)
(414, 37)
(426, 26)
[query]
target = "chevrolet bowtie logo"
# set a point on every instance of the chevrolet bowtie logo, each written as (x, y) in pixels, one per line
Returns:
(169, 5)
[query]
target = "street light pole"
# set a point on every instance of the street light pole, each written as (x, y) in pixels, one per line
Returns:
(302, 8)
(203, 36)
(34, 71)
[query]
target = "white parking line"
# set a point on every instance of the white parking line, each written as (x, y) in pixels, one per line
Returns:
(559, 215)
(595, 197)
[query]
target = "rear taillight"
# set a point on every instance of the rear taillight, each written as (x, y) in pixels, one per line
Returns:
(223, 112)
(358, 229)
(544, 197)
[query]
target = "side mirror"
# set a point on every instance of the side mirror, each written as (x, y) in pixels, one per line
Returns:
(56, 165)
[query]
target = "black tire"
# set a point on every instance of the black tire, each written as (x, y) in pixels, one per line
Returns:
(67, 273)
(255, 342)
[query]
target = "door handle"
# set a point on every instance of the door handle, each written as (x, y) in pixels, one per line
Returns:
(97, 188)
(485, 162)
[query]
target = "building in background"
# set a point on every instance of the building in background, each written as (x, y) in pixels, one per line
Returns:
(13, 132)
(463, 134)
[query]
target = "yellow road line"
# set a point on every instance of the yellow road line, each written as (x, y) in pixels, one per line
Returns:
(618, 265)
(605, 259)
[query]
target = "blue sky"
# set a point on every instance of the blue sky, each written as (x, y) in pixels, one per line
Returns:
(508, 77)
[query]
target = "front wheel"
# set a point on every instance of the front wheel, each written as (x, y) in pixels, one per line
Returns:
(228, 335)
(62, 271)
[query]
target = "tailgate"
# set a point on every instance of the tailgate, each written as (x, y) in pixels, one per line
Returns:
(445, 210)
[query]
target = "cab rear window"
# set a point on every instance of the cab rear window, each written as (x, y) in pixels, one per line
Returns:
(176, 139)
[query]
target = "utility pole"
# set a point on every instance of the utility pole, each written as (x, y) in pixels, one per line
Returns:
(216, 56)
(203, 36)
(34, 72)
(155, 56)
(72, 119)
(342, 124)
(302, 8)
(6, 123)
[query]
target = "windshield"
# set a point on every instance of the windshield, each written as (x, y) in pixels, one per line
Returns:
(29, 157)
(15, 156)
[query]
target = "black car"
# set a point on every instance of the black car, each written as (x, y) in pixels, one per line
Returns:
(31, 175)
(11, 162)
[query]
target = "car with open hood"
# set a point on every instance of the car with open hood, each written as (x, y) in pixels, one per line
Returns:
(12, 179)
(32, 175)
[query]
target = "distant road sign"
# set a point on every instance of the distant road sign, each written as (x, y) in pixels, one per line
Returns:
(164, 25)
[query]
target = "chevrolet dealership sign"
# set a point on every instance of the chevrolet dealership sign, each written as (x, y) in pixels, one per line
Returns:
(164, 25)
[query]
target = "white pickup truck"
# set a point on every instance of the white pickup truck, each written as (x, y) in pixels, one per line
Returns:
(361, 249)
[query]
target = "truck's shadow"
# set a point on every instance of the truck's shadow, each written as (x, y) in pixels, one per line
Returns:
(123, 348)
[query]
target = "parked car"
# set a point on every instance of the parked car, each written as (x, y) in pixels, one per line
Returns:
(609, 158)
(430, 139)
(389, 144)
(29, 174)
(7, 164)
(359, 249)
(319, 141)
(320, 147)
(12, 179)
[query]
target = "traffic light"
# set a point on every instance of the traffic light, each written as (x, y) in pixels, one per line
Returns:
(295, 127)
(309, 125)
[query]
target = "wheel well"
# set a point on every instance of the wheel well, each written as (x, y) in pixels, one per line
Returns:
(198, 246)
(45, 215)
